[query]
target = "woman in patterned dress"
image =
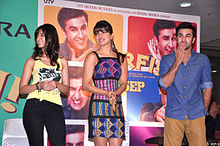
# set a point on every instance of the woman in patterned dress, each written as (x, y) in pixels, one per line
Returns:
(108, 69)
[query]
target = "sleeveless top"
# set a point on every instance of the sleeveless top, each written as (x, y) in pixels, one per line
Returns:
(103, 121)
(107, 72)
(43, 72)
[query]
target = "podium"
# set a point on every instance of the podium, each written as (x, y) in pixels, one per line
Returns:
(15, 135)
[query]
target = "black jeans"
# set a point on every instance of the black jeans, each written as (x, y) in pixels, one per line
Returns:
(38, 114)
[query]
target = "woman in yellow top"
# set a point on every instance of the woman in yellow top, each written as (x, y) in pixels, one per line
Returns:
(50, 77)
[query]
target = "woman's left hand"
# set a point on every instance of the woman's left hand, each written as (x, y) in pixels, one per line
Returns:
(112, 99)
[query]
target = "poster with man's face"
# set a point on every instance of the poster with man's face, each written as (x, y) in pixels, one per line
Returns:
(158, 38)
(75, 135)
(75, 30)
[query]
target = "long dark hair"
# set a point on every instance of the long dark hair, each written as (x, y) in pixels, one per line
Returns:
(103, 24)
(52, 44)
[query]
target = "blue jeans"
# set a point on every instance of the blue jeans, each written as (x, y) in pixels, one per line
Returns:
(38, 114)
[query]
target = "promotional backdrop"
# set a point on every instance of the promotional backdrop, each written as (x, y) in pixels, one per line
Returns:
(133, 35)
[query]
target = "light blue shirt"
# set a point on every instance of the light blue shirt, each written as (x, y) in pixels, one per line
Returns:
(185, 96)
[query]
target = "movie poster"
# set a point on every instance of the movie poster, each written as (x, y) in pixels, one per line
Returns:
(137, 33)
(148, 40)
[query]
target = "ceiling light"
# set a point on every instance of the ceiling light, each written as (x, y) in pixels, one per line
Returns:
(214, 71)
(185, 4)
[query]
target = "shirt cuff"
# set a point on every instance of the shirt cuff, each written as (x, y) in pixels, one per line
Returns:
(162, 84)
(206, 85)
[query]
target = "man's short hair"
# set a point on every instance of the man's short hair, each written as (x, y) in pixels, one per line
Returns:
(68, 13)
(74, 128)
(162, 24)
(186, 25)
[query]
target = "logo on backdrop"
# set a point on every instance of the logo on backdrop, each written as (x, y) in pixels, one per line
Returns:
(7, 28)
(48, 1)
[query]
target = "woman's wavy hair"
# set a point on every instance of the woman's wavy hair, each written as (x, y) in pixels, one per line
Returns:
(51, 45)
(103, 24)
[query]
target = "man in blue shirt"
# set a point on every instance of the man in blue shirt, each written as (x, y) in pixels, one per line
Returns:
(186, 75)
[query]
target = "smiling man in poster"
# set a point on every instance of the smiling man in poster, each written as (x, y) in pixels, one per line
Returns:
(74, 25)
(163, 43)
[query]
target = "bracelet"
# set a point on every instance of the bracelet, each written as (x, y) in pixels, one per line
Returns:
(37, 85)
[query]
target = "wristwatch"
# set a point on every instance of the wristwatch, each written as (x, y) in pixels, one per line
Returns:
(37, 86)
